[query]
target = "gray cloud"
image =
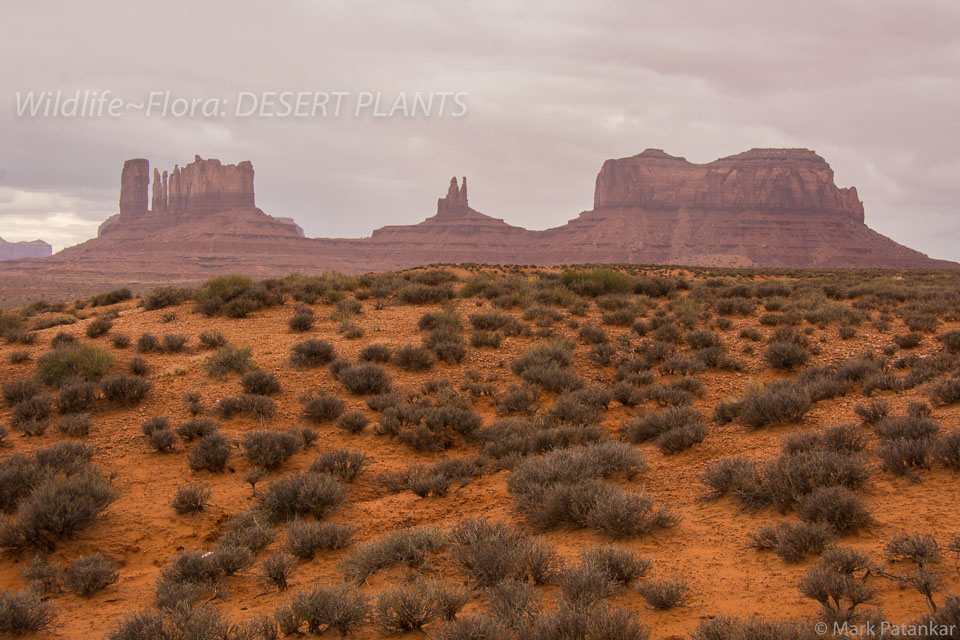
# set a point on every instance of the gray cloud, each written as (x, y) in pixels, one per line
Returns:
(554, 88)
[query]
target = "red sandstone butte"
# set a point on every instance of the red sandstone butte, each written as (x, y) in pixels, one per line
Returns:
(760, 208)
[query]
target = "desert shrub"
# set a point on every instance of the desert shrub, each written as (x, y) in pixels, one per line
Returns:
(30, 415)
(75, 425)
(846, 333)
(231, 559)
(63, 339)
(481, 338)
(619, 318)
(873, 412)
(210, 453)
(446, 344)
(414, 358)
(191, 498)
(212, 340)
(163, 297)
(162, 440)
(843, 438)
(518, 399)
(277, 568)
(270, 449)
(261, 407)
(779, 403)
(303, 494)
(833, 584)
(491, 552)
(908, 427)
(234, 296)
(303, 319)
(323, 408)
(173, 342)
(364, 378)
(248, 529)
(424, 294)
(673, 429)
(947, 450)
(921, 322)
(407, 546)
(60, 506)
(751, 334)
(733, 629)
(788, 479)
(342, 463)
(259, 382)
(23, 612)
(664, 594)
(919, 548)
(946, 392)
(383, 401)
(375, 353)
(305, 538)
(353, 421)
(189, 430)
(623, 567)
(19, 357)
(99, 326)
(908, 340)
(90, 574)
(593, 335)
(793, 541)
(83, 361)
(313, 352)
(475, 627)
(901, 455)
(15, 391)
(734, 475)
(148, 343)
(436, 320)
(785, 355)
(126, 391)
(64, 457)
(139, 367)
(507, 440)
(19, 474)
(681, 438)
(582, 585)
(950, 340)
(226, 359)
(339, 607)
(836, 506)
(76, 396)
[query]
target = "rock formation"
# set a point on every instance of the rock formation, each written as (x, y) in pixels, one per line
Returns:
(32, 249)
(194, 192)
(769, 180)
(761, 208)
(133, 187)
(455, 203)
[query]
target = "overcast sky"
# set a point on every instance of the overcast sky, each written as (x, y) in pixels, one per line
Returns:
(552, 90)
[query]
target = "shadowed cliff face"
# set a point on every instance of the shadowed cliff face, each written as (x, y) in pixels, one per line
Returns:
(761, 208)
(769, 180)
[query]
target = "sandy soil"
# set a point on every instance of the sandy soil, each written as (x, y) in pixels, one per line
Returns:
(709, 547)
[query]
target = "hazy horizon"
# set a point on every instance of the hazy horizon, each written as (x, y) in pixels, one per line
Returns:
(551, 91)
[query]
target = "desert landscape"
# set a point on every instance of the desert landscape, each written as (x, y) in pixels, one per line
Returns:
(473, 451)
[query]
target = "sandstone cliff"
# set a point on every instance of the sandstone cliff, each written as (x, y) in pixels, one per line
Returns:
(32, 249)
(196, 193)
